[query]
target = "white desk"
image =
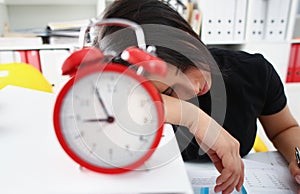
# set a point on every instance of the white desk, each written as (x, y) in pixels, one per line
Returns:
(32, 161)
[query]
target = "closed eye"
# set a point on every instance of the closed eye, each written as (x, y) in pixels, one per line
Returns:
(168, 91)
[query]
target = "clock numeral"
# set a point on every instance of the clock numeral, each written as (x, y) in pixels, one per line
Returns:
(143, 138)
(80, 135)
(110, 152)
(82, 102)
(146, 120)
(143, 103)
(111, 88)
(71, 117)
(128, 150)
(94, 145)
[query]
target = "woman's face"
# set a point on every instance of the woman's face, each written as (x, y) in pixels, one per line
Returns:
(183, 85)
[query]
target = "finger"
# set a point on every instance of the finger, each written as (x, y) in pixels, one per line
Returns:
(241, 180)
(225, 174)
(231, 187)
(294, 169)
(222, 181)
(235, 179)
(227, 186)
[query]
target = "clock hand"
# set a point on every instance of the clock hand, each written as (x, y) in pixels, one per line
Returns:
(108, 119)
(101, 102)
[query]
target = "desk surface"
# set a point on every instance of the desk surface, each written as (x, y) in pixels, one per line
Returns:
(33, 161)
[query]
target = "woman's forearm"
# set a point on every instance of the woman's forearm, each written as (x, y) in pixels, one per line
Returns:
(182, 113)
(205, 129)
(286, 141)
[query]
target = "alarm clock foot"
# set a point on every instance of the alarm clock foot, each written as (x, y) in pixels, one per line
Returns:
(81, 168)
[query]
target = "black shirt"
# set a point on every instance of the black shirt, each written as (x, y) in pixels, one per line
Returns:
(253, 88)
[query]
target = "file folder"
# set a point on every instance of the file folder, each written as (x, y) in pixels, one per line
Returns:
(196, 20)
(218, 20)
(240, 20)
(226, 19)
(33, 58)
(256, 20)
(291, 64)
(6, 57)
(20, 56)
(208, 30)
(296, 74)
(276, 21)
(283, 19)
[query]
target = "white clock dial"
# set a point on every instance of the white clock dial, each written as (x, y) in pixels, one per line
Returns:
(109, 119)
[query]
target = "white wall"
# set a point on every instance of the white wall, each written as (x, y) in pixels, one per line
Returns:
(37, 16)
(47, 2)
(3, 16)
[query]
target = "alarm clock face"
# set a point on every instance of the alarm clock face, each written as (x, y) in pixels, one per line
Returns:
(109, 120)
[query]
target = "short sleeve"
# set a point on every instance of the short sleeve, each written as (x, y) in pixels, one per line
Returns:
(275, 99)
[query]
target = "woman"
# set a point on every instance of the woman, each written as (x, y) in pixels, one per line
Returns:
(229, 95)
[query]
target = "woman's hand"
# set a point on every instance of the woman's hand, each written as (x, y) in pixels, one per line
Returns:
(295, 171)
(223, 150)
(225, 156)
(220, 146)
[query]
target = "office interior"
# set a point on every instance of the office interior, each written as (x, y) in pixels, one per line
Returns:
(23, 24)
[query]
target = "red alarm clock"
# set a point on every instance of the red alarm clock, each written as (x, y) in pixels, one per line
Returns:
(108, 117)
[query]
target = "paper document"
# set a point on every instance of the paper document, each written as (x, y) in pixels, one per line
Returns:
(203, 179)
(269, 177)
(268, 174)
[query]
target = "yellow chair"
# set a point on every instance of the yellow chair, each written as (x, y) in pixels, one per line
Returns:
(23, 75)
(259, 145)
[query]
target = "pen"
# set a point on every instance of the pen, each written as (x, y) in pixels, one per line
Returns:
(297, 156)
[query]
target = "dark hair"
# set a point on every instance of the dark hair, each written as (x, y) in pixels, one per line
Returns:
(149, 12)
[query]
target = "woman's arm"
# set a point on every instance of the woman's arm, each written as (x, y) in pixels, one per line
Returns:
(220, 146)
(284, 131)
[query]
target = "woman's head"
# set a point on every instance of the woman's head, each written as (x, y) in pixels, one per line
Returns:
(173, 37)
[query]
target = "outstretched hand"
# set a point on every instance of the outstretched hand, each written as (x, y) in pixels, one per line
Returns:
(228, 162)
(220, 146)
(295, 171)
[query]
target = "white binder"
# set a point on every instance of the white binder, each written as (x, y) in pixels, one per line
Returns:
(218, 20)
(227, 17)
(208, 21)
(256, 20)
(277, 19)
(272, 10)
(240, 21)
(7, 57)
